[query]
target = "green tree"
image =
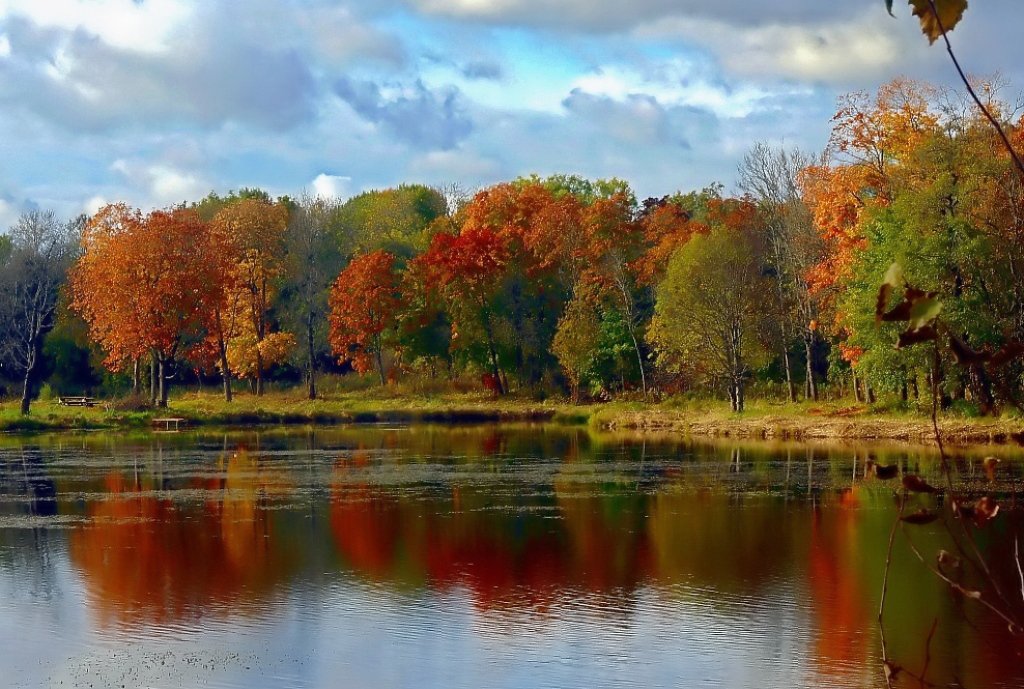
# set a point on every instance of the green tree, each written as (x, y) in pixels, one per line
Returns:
(576, 341)
(395, 220)
(709, 316)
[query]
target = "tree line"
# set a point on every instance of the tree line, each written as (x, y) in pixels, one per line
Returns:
(556, 284)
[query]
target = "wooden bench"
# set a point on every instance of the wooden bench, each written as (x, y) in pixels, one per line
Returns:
(77, 401)
(169, 424)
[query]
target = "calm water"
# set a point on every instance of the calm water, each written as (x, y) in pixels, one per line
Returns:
(471, 557)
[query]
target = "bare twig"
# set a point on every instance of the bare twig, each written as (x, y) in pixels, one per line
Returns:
(1016, 554)
(928, 651)
(885, 590)
(966, 593)
(970, 89)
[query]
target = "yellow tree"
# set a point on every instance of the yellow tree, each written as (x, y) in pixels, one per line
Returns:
(255, 231)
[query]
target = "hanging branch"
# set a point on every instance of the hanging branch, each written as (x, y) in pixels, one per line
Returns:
(970, 89)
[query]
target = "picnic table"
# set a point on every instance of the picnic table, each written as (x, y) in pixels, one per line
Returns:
(169, 424)
(77, 401)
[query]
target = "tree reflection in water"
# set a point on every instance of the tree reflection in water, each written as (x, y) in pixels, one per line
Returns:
(531, 524)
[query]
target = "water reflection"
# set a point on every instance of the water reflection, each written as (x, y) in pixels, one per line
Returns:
(626, 560)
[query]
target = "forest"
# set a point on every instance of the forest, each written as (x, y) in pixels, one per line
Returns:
(558, 286)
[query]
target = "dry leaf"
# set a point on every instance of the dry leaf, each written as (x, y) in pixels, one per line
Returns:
(938, 16)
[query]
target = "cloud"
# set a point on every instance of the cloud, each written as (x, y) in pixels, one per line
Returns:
(94, 204)
(425, 118)
(856, 50)
(618, 16)
(442, 167)
(636, 119)
(482, 69)
(145, 27)
(332, 186)
(78, 81)
(162, 184)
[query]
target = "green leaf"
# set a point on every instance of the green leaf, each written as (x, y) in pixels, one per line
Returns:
(938, 16)
(893, 278)
(924, 311)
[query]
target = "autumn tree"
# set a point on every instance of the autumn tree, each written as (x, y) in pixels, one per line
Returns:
(145, 286)
(256, 230)
(468, 270)
(32, 272)
(364, 304)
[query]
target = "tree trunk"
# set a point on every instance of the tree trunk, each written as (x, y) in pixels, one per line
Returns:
(259, 372)
(152, 380)
(739, 396)
(225, 373)
(858, 398)
(136, 376)
(812, 385)
(26, 391)
(981, 387)
(163, 384)
(495, 371)
(310, 359)
(871, 392)
(639, 360)
(380, 365)
(790, 386)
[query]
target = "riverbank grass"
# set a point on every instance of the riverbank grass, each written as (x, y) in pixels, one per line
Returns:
(694, 416)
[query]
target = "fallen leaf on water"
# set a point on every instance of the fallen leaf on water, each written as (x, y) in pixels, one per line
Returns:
(922, 516)
(947, 560)
(990, 465)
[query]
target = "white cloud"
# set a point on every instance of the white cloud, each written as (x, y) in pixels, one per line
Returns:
(865, 49)
(169, 185)
(453, 166)
(138, 26)
(332, 186)
(161, 184)
(5, 45)
(8, 215)
(93, 205)
(674, 82)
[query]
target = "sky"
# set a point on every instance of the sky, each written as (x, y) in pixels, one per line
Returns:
(154, 102)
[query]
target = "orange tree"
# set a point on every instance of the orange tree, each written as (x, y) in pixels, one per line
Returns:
(145, 285)
(364, 306)
(469, 270)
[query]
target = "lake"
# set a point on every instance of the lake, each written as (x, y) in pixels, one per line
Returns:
(483, 556)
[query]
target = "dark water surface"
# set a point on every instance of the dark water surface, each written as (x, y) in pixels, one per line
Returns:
(520, 556)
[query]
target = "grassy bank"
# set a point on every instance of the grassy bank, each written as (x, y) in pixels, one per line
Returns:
(828, 420)
(291, 408)
(762, 419)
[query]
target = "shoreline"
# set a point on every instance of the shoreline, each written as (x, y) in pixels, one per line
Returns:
(819, 427)
(706, 419)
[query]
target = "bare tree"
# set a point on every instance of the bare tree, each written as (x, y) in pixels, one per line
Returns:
(770, 177)
(42, 250)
